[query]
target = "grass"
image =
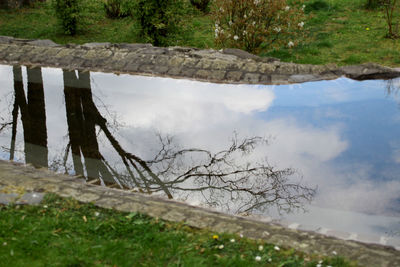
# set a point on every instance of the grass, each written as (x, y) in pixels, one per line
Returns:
(64, 232)
(337, 31)
(344, 32)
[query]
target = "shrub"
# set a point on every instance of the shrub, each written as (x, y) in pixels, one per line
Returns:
(202, 5)
(67, 12)
(158, 19)
(118, 8)
(248, 24)
(371, 4)
(391, 10)
(317, 5)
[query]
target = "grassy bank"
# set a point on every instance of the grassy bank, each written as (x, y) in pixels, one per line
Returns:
(63, 232)
(338, 31)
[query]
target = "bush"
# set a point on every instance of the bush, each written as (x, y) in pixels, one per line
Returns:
(67, 12)
(317, 5)
(248, 24)
(158, 19)
(202, 5)
(371, 4)
(392, 15)
(118, 8)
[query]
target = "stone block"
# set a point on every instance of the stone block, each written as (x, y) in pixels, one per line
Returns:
(267, 68)
(187, 63)
(174, 71)
(251, 77)
(234, 76)
(6, 199)
(188, 72)
(250, 67)
(31, 198)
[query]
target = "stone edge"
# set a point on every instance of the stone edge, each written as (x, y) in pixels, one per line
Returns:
(222, 66)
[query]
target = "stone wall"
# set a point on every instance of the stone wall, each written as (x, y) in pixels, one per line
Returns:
(225, 66)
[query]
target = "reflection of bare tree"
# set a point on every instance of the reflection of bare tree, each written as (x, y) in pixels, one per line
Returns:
(33, 116)
(226, 178)
(393, 89)
(220, 178)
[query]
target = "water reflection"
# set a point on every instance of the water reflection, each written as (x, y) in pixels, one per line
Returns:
(33, 116)
(235, 147)
(229, 177)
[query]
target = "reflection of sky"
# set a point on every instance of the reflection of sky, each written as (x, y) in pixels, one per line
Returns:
(341, 135)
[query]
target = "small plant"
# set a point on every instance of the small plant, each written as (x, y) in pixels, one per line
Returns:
(118, 8)
(248, 24)
(372, 4)
(202, 5)
(67, 12)
(317, 5)
(391, 10)
(158, 19)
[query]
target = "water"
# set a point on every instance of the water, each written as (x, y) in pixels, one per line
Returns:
(323, 153)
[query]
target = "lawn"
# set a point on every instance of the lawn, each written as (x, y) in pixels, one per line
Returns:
(64, 232)
(344, 32)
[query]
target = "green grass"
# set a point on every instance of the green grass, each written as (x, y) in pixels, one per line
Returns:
(339, 33)
(64, 232)
(336, 31)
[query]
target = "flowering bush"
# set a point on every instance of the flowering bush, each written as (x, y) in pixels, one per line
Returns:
(248, 24)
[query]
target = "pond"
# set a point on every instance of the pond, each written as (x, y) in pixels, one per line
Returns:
(322, 154)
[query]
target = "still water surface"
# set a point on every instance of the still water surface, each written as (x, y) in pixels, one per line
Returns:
(331, 148)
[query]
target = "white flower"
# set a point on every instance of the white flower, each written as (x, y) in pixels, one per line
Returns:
(269, 260)
(287, 8)
(277, 29)
(97, 214)
(318, 265)
(221, 246)
(216, 30)
(303, 7)
(235, 37)
(241, 235)
(334, 252)
(245, 16)
(230, 23)
(277, 248)
(301, 24)
(216, 25)
(232, 240)
(254, 23)
(256, 2)
(258, 258)
(260, 248)
(290, 44)
(244, 32)
(45, 206)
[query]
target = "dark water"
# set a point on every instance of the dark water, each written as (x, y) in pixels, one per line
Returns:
(238, 148)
